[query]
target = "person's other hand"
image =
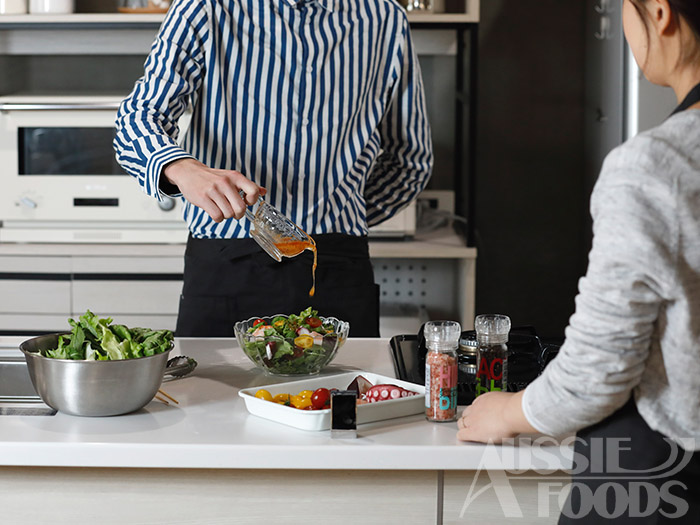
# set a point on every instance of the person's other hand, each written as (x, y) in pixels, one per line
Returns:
(493, 417)
(215, 191)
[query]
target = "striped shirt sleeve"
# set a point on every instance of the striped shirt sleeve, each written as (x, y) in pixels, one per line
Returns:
(404, 166)
(147, 120)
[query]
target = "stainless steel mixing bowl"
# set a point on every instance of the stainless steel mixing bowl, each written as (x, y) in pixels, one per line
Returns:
(92, 388)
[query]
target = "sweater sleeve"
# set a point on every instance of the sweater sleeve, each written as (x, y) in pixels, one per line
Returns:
(629, 277)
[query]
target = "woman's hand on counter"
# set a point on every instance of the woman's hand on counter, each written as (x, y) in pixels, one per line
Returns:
(493, 417)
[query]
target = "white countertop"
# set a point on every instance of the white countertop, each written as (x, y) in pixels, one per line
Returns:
(211, 428)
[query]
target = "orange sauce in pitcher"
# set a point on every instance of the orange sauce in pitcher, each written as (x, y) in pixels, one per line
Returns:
(292, 247)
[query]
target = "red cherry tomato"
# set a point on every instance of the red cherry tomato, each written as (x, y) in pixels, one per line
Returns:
(321, 398)
(314, 322)
(257, 322)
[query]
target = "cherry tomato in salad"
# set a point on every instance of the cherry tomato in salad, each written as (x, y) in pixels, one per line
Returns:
(263, 394)
(304, 341)
(257, 322)
(321, 398)
(313, 322)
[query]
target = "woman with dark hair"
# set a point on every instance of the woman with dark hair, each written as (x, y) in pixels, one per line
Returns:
(627, 378)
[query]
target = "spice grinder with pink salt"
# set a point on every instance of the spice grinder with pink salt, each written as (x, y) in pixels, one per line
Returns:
(442, 341)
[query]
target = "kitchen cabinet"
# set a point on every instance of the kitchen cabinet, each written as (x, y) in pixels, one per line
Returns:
(139, 284)
(41, 285)
(206, 460)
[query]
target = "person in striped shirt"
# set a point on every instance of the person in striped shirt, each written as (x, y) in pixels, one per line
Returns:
(318, 105)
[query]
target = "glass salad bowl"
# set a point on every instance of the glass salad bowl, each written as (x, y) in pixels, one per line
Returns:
(291, 345)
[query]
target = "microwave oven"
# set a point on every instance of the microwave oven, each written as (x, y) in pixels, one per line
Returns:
(61, 183)
(60, 180)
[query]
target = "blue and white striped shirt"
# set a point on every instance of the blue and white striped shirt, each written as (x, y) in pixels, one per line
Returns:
(321, 102)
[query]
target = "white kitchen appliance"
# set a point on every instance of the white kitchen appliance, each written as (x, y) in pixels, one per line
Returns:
(60, 180)
(400, 226)
(61, 183)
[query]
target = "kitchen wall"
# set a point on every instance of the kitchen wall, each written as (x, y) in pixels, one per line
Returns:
(532, 204)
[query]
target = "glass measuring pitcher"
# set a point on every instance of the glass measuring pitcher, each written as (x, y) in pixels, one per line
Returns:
(279, 236)
(275, 233)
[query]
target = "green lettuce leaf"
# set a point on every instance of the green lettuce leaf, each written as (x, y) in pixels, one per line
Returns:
(96, 339)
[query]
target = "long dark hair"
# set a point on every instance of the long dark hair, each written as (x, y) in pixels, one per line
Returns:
(688, 9)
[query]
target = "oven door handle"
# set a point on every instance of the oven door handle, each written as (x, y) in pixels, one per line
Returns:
(32, 106)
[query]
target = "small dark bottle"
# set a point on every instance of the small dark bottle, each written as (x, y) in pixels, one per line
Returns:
(466, 364)
(492, 357)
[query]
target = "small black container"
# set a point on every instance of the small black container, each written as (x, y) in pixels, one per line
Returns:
(466, 368)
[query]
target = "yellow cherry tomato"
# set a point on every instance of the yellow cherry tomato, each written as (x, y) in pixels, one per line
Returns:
(281, 398)
(306, 393)
(305, 403)
(304, 341)
(300, 402)
(263, 394)
(295, 400)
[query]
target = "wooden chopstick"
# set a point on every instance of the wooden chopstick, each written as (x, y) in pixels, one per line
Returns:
(162, 399)
(169, 397)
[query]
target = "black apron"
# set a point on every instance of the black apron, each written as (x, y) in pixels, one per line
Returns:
(229, 280)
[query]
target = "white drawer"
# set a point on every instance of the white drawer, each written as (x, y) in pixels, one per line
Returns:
(121, 265)
(157, 322)
(35, 296)
(30, 323)
(32, 265)
(109, 298)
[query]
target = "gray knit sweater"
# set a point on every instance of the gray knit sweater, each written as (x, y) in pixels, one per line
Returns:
(637, 322)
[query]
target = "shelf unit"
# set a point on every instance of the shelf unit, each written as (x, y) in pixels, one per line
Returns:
(132, 34)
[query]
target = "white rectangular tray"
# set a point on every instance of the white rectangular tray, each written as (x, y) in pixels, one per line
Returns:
(316, 420)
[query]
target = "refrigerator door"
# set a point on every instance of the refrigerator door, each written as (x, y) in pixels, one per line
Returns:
(646, 104)
(620, 102)
(605, 84)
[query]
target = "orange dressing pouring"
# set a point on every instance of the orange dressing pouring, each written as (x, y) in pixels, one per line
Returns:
(292, 247)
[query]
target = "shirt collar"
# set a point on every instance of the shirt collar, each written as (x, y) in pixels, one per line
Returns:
(329, 5)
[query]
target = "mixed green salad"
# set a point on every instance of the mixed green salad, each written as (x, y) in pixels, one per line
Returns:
(96, 339)
(292, 344)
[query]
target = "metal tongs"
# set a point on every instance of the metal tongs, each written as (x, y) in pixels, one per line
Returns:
(179, 366)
